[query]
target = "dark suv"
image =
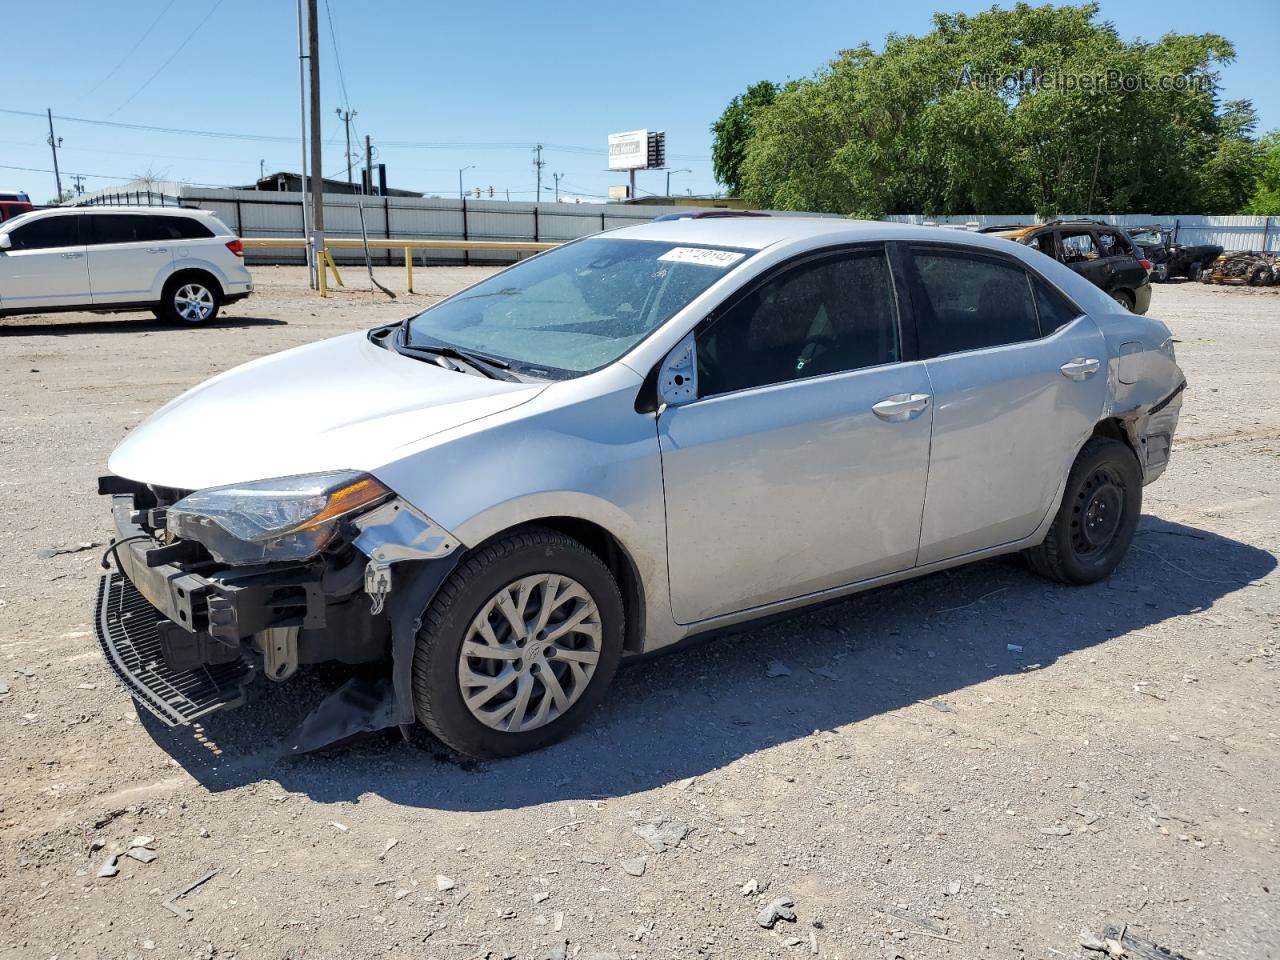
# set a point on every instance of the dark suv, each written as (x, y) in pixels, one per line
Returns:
(1104, 255)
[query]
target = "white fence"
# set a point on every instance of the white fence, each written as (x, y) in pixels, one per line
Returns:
(1232, 233)
(254, 213)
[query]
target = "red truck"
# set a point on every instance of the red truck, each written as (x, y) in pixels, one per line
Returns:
(12, 203)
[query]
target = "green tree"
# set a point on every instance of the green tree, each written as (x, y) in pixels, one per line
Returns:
(1034, 108)
(734, 129)
(1266, 194)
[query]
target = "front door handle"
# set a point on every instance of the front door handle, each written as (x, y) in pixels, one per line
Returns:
(157, 249)
(901, 406)
(1081, 368)
(72, 256)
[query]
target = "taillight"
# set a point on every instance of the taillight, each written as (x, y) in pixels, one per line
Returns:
(236, 247)
(1146, 264)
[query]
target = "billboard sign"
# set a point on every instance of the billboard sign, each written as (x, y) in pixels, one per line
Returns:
(629, 150)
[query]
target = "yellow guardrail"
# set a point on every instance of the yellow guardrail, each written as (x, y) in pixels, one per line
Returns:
(408, 246)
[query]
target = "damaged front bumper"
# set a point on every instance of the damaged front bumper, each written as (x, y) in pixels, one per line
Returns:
(184, 635)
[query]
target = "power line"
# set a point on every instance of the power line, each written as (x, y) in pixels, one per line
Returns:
(398, 144)
(177, 50)
(132, 50)
(103, 176)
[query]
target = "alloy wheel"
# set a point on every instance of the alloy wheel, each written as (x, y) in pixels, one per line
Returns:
(530, 653)
(193, 302)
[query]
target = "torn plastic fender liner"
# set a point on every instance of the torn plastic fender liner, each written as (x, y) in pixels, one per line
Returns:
(423, 554)
(1150, 429)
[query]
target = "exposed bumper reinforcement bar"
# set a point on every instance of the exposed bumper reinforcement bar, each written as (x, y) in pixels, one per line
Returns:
(126, 628)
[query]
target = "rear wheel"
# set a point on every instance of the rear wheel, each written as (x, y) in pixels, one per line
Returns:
(1124, 298)
(1193, 271)
(518, 646)
(190, 300)
(1097, 518)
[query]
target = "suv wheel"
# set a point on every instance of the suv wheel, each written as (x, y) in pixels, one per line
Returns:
(189, 300)
(1124, 298)
(1098, 516)
(518, 646)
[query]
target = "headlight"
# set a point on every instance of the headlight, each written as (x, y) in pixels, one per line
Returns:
(267, 521)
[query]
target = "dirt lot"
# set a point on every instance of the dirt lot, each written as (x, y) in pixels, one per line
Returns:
(914, 785)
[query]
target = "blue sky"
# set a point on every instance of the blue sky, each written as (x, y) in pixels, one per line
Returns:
(485, 78)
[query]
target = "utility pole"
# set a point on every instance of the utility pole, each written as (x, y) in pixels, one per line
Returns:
(368, 160)
(670, 172)
(262, 170)
(302, 186)
(346, 119)
(462, 193)
(317, 168)
(54, 144)
(538, 164)
(557, 177)
(79, 182)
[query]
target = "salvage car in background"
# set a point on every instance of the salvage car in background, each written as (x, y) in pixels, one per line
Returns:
(1102, 254)
(1172, 260)
(1243, 267)
(633, 438)
(182, 265)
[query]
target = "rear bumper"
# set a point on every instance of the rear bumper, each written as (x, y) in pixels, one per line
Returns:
(128, 632)
(1142, 298)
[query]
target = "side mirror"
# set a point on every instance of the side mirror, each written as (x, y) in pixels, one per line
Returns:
(5, 241)
(678, 375)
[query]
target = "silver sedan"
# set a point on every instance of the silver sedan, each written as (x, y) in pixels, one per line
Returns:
(633, 438)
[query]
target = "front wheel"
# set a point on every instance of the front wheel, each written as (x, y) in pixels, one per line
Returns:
(518, 646)
(1098, 516)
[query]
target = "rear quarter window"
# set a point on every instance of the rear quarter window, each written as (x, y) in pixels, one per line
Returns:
(185, 228)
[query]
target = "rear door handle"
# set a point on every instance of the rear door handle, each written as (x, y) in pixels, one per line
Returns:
(157, 249)
(901, 406)
(72, 256)
(1081, 368)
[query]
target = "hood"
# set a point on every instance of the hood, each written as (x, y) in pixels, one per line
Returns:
(337, 404)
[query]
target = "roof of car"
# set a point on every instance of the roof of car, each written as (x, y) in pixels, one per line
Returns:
(756, 233)
(155, 211)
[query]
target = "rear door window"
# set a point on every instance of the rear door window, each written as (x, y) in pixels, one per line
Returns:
(113, 227)
(47, 232)
(1078, 247)
(967, 301)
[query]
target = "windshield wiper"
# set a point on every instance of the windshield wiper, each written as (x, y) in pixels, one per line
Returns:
(491, 367)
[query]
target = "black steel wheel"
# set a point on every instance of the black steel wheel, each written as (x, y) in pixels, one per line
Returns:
(1097, 518)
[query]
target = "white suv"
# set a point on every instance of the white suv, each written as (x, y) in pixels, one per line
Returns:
(181, 264)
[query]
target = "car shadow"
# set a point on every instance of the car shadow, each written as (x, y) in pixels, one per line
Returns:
(140, 324)
(681, 714)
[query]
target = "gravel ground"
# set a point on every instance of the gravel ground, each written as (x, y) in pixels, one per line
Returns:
(914, 786)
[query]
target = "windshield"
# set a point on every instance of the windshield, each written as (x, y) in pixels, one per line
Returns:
(576, 308)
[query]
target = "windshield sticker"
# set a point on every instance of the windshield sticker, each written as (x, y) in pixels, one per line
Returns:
(702, 256)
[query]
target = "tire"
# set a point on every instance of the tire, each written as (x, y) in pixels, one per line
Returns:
(1097, 518)
(1124, 298)
(1193, 272)
(190, 300)
(468, 609)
